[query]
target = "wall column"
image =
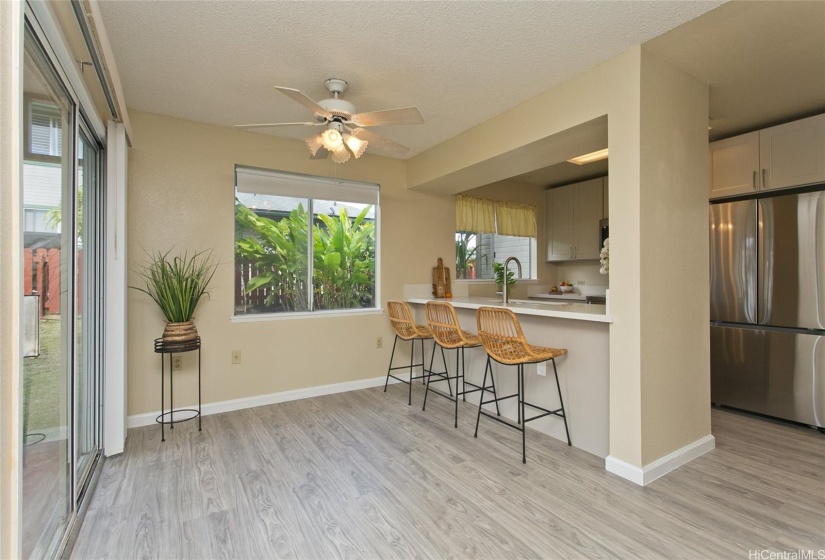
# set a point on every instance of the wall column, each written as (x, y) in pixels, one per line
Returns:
(660, 405)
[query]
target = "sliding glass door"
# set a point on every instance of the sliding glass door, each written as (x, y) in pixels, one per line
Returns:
(61, 192)
(87, 394)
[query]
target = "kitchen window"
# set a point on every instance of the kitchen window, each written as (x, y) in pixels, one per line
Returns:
(489, 232)
(304, 244)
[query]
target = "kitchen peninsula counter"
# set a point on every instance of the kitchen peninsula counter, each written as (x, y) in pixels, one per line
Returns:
(561, 310)
(583, 329)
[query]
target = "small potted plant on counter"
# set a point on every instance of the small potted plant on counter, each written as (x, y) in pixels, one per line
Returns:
(177, 284)
(498, 276)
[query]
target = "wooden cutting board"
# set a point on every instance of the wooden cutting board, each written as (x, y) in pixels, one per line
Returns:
(441, 280)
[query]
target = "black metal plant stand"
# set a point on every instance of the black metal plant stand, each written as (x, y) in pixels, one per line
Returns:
(171, 348)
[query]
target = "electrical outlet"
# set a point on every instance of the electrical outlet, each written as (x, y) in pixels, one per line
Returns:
(579, 282)
(379, 342)
(236, 356)
(541, 369)
(177, 363)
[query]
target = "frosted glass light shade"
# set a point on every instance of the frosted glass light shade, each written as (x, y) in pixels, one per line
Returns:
(356, 145)
(332, 139)
(314, 143)
(340, 155)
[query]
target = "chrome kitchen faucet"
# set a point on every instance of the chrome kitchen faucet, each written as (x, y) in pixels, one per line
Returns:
(504, 282)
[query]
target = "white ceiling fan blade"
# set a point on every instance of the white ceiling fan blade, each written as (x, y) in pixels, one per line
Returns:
(379, 143)
(262, 125)
(403, 115)
(305, 101)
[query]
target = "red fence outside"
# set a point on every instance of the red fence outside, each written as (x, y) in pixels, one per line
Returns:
(42, 276)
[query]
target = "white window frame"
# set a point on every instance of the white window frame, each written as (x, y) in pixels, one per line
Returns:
(317, 188)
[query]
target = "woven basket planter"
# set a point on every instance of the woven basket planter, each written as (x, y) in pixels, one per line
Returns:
(180, 332)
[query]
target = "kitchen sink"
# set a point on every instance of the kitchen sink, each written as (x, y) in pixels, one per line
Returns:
(534, 302)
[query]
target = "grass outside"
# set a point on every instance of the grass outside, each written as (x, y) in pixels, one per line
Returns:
(47, 385)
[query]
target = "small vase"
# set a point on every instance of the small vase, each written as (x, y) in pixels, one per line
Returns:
(180, 332)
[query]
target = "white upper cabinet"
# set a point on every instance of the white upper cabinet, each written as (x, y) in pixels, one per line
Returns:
(793, 154)
(786, 155)
(572, 221)
(559, 223)
(733, 165)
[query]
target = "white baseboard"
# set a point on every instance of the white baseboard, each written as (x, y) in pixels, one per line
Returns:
(660, 467)
(148, 418)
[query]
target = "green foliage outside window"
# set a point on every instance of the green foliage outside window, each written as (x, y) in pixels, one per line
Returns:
(343, 259)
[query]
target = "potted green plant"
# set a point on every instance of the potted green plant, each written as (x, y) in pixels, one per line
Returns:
(176, 284)
(498, 276)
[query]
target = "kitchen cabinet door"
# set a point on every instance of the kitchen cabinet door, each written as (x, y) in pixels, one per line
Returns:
(606, 198)
(587, 213)
(793, 153)
(559, 223)
(572, 215)
(734, 165)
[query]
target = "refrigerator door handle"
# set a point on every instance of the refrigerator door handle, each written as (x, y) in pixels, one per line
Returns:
(765, 260)
(819, 258)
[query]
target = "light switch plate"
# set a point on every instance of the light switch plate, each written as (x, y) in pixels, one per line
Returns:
(541, 369)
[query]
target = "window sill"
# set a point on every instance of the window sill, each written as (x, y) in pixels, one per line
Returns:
(263, 317)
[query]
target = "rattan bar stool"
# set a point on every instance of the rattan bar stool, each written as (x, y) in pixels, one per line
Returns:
(448, 334)
(503, 339)
(406, 329)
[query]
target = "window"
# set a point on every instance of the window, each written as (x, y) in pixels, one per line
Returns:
(278, 269)
(44, 130)
(489, 232)
(476, 253)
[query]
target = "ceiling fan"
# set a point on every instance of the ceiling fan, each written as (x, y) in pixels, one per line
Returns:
(345, 130)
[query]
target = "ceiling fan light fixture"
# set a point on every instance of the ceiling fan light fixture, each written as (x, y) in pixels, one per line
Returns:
(341, 155)
(332, 139)
(314, 143)
(355, 145)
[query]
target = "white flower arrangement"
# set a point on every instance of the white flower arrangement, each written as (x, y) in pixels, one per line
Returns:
(604, 257)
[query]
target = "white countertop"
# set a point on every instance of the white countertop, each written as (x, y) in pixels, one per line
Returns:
(561, 310)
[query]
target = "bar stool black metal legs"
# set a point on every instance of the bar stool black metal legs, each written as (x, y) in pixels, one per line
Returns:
(410, 367)
(504, 342)
(406, 329)
(446, 330)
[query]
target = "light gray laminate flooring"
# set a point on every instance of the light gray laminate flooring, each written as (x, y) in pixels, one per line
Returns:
(363, 475)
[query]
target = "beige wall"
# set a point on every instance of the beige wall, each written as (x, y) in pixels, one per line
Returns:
(588, 272)
(674, 252)
(641, 230)
(181, 194)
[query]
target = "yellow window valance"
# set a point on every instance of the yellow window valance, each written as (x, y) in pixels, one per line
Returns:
(515, 219)
(481, 215)
(475, 214)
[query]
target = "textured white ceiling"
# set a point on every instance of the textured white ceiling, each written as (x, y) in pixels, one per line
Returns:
(764, 62)
(460, 62)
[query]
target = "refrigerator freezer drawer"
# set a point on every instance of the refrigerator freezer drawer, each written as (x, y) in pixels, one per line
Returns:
(780, 374)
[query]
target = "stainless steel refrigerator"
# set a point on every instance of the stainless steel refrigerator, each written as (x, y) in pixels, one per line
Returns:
(767, 309)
